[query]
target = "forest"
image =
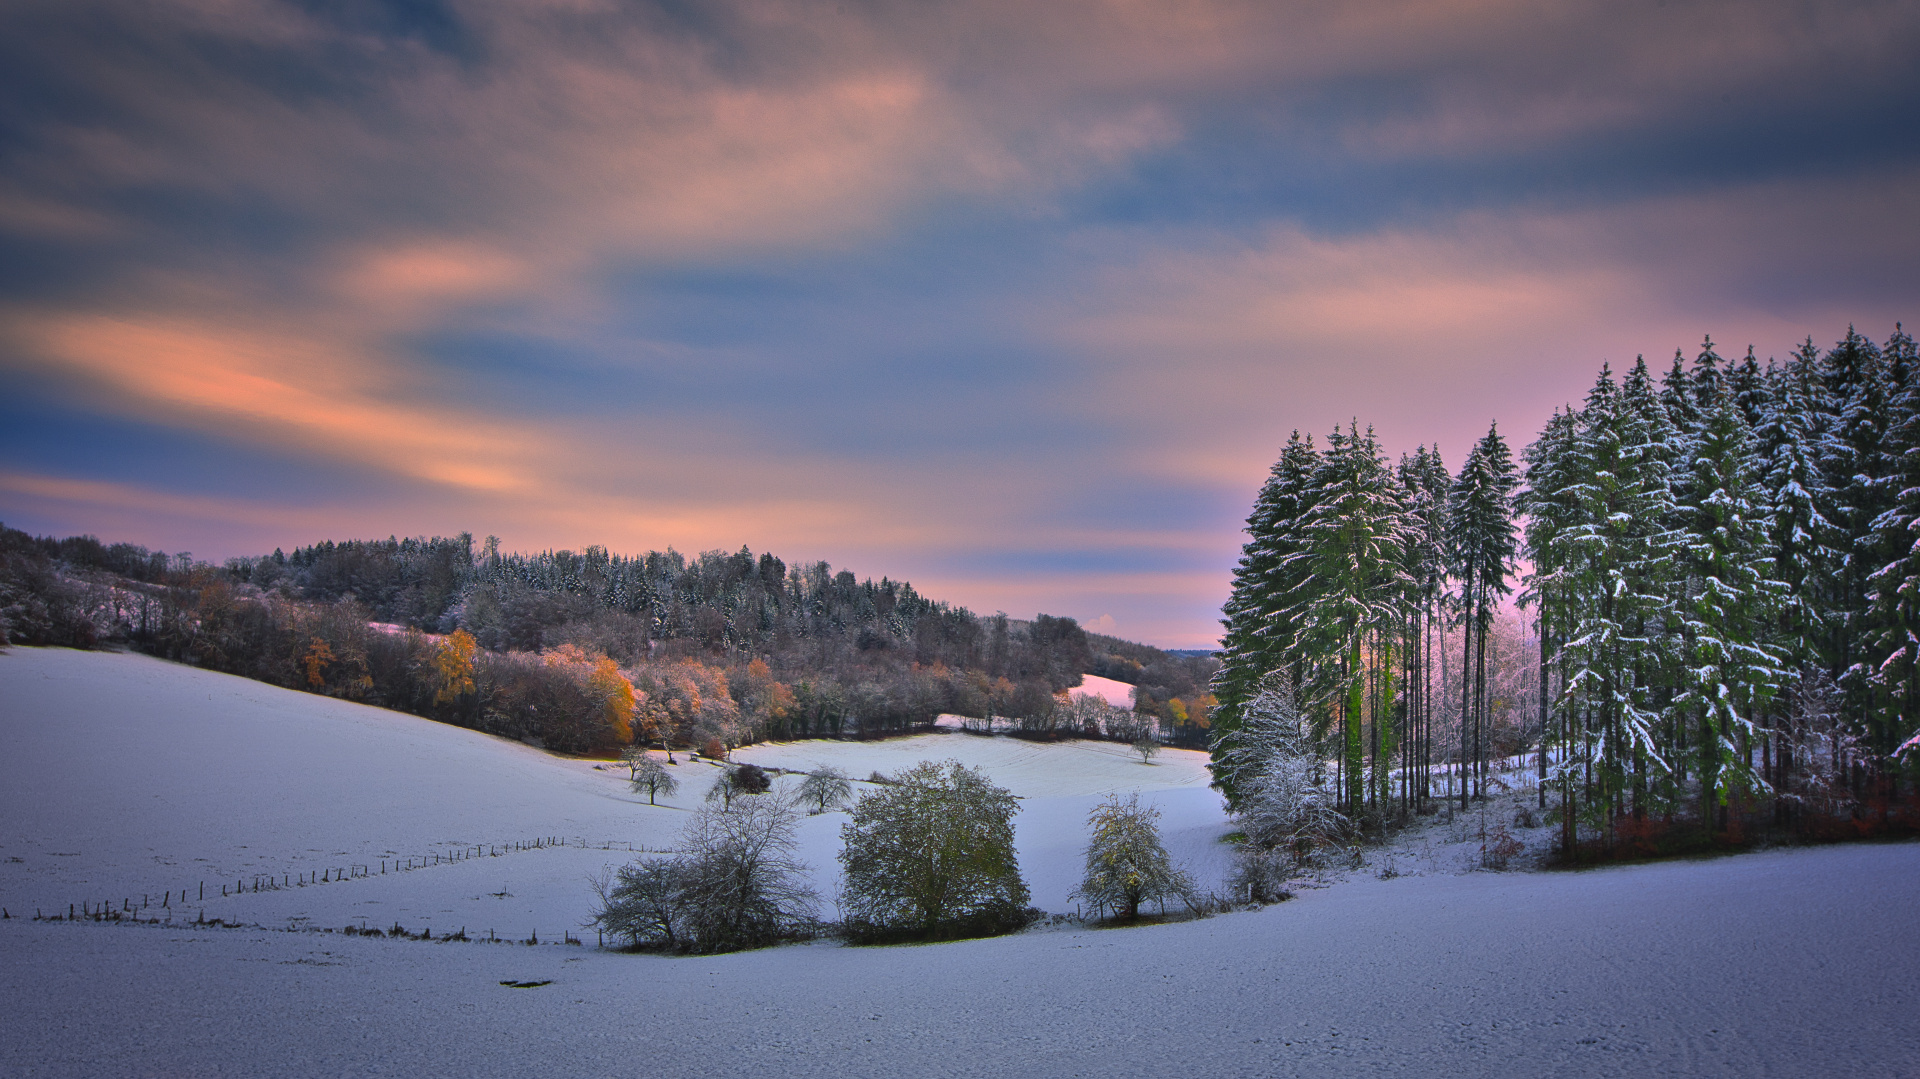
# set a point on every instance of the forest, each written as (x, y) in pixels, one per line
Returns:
(1688, 607)
(585, 652)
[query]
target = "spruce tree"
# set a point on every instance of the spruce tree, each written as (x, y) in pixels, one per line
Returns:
(1895, 586)
(1618, 586)
(1355, 587)
(1260, 637)
(1730, 601)
(1550, 508)
(1480, 536)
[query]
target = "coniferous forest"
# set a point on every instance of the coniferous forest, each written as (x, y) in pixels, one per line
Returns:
(1688, 608)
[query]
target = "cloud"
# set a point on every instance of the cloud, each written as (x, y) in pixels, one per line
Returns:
(1433, 330)
(129, 511)
(279, 388)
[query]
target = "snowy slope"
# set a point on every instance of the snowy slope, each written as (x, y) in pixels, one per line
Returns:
(1113, 691)
(1781, 965)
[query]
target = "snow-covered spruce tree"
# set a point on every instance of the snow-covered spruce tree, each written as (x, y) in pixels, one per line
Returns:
(1126, 864)
(1350, 604)
(1618, 583)
(1260, 637)
(1550, 508)
(1731, 600)
(1895, 586)
(1480, 538)
(1425, 480)
(738, 885)
(932, 858)
(1747, 386)
(1860, 391)
(1792, 442)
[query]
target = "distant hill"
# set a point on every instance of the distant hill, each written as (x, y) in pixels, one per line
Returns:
(798, 650)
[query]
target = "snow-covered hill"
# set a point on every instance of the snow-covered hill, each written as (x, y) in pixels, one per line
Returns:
(120, 774)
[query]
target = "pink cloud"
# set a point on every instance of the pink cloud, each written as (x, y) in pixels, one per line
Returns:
(1432, 331)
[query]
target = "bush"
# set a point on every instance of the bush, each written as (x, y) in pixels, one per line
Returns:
(738, 780)
(1261, 876)
(932, 858)
(1278, 789)
(738, 886)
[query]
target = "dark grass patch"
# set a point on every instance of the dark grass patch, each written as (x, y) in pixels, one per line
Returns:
(985, 924)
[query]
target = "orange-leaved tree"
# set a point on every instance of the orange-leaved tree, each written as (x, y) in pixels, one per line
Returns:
(616, 697)
(319, 655)
(453, 667)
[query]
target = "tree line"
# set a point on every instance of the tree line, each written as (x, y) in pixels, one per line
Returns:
(726, 647)
(1720, 570)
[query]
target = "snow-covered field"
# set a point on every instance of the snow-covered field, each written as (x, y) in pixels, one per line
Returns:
(122, 775)
(127, 777)
(1114, 692)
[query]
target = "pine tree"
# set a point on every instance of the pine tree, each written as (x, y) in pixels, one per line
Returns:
(1895, 586)
(1480, 536)
(1730, 603)
(1550, 506)
(1260, 637)
(1618, 536)
(1351, 598)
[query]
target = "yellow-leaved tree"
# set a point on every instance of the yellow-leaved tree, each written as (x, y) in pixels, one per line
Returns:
(453, 667)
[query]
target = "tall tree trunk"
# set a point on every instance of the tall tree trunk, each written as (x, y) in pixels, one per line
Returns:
(1466, 699)
(1542, 633)
(1481, 737)
(1355, 689)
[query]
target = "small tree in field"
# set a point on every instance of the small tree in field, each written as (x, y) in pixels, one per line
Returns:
(1147, 748)
(1126, 863)
(651, 776)
(825, 787)
(932, 857)
(738, 780)
(631, 756)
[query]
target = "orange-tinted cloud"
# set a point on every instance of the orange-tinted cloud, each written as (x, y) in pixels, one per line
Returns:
(278, 388)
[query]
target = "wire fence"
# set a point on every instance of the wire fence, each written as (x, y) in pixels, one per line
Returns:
(162, 907)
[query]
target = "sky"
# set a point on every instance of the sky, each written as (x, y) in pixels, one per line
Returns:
(1014, 301)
